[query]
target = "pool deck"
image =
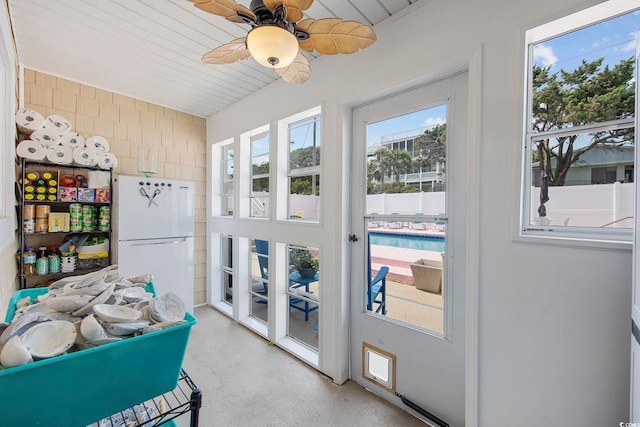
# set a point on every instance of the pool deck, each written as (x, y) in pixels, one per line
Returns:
(399, 260)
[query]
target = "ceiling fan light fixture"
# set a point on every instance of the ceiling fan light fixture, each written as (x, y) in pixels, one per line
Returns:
(272, 46)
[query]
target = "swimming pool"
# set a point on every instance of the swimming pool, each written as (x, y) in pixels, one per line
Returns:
(424, 243)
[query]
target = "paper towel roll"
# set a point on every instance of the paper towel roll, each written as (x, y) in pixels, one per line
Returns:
(107, 161)
(28, 120)
(57, 124)
(31, 150)
(83, 157)
(97, 144)
(59, 154)
(45, 137)
(72, 139)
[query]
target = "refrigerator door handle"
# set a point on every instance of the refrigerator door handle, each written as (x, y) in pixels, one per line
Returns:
(159, 243)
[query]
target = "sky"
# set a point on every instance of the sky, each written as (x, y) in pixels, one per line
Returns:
(613, 39)
(417, 120)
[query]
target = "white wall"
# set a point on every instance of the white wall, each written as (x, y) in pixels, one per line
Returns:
(553, 320)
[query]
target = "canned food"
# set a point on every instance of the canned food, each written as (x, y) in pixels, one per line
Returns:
(52, 190)
(47, 175)
(29, 196)
(52, 197)
(29, 189)
(29, 226)
(52, 183)
(41, 225)
(39, 197)
(103, 225)
(42, 211)
(28, 211)
(75, 226)
(41, 189)
(32, 176)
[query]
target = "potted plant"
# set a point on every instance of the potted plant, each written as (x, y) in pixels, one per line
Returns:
(304, 262)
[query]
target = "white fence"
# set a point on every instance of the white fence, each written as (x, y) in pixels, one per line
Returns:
(431, 203)
(601, 205)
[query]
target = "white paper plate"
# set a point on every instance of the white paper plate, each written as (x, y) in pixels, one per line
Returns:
(49, 339)
(167, 307)
(116, 313)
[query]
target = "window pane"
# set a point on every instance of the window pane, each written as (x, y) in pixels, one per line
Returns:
(585, 76)
(304, 143)
(259, 195)
(406, 268)
(226, 252)
(303, 292)
(396, 176)
(259, 284)
(304, 197)
(227, 182)
(592, 187)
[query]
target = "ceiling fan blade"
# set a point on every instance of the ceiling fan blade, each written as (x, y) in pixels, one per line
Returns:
(226, 8)
(331, 36)
(293, 8)
(298, 72)
(228, 53)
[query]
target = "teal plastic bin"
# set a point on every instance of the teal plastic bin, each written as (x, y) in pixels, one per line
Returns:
(79, 388)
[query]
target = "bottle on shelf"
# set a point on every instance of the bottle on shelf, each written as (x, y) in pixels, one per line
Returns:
(29, 262)
(54, 260)
(42, 261)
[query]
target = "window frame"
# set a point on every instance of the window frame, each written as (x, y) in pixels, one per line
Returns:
(610, 237)
(283, 165)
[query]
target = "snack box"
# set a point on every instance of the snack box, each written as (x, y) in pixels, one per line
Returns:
(103, 195)
(58, 221)
(87, 195)
(67, 194)
(79, 388)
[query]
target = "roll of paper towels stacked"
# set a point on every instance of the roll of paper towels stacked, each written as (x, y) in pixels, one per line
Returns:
(53, 138)
(28, 120)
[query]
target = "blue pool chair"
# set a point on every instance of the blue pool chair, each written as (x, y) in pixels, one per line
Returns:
(376, 286)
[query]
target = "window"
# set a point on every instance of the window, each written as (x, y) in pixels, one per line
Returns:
(304, 169)
(226, 169)
(580, 125)
(303, 294)
(226, 271)
(259, 181)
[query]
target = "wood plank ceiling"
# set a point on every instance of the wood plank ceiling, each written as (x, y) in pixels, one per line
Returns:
(152, 49)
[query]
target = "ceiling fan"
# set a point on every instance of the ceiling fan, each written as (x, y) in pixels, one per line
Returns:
(278, 32)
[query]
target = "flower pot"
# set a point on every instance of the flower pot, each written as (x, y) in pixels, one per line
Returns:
(307, 273)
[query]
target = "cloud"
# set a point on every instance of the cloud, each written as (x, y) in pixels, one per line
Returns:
(630, 46)
(544, 55)
(433, 121)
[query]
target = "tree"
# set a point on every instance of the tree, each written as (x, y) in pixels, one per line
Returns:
(381, 163)
(431, 146)
(401, 162)
(588, 94)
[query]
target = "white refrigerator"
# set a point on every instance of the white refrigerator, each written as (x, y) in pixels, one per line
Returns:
(154, 227)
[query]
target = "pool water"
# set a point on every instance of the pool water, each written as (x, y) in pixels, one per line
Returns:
(424, 243)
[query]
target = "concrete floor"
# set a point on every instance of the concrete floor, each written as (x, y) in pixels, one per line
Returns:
(247, 382)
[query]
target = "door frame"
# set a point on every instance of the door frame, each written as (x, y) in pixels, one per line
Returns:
(473, 65)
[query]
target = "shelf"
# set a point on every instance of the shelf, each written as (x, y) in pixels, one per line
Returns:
(56, 238)
(56, 276)
(185, 398)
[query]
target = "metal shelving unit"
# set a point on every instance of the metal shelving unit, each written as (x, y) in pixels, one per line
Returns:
(57, 206)
(163, 409)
